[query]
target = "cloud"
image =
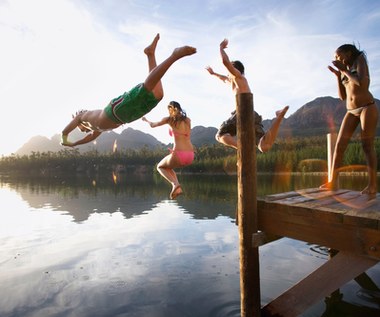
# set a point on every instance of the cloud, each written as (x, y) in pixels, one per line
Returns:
(57, 62)
(63, 55)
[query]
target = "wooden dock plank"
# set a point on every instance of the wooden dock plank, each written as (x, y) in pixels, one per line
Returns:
(333, 219)
(357, 209)
(279, 196)
(316, 199)
(328, 203)
(310, 192)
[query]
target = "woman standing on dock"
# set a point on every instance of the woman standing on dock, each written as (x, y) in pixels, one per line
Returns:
(353, 79)
(182, 153)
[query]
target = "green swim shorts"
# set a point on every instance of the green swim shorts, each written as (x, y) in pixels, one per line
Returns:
(131, 105)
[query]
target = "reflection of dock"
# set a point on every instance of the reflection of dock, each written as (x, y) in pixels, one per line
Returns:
(342, 220)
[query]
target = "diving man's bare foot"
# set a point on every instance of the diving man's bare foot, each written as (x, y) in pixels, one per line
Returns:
(267, 140)
(150, 50)
(180, 52)
(281, 113)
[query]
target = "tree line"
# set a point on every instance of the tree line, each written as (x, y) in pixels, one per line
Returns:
(287, 155)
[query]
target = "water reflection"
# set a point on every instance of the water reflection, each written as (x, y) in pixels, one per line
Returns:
(131, 195)
(205, 196)
(84, 246)
(147, 265)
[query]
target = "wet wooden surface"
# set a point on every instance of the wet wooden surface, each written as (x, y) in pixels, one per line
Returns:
(343, 220)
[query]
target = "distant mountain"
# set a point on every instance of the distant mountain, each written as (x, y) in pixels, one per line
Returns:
(40, 144)
(317, 117)
(128, 138)
(201, 135)
(320, 116)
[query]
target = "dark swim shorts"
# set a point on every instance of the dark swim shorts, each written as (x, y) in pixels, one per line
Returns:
(229, 126)
(131, 105)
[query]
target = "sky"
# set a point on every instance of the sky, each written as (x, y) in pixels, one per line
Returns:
(59, 56)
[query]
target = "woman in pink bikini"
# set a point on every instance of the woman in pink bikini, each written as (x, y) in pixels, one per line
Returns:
(351, 71)
(182, 153)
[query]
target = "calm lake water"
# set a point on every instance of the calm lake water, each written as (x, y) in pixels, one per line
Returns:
(117, 246)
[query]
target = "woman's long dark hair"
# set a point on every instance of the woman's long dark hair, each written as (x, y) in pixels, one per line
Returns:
(346, 48)
(181, 115)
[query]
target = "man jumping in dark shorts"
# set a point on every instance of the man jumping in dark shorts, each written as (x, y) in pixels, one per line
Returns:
(229, 127)
(239, 84)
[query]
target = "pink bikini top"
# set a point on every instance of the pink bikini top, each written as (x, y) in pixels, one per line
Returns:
(174, 133)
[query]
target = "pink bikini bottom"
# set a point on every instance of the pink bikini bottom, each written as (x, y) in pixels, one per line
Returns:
(185, 157)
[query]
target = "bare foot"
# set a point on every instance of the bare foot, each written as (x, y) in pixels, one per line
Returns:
(180, 52)
(281, 113)
(329, 186)
(176, 191)
(149, 50)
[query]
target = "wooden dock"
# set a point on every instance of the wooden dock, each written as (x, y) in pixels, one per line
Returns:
(342, 220)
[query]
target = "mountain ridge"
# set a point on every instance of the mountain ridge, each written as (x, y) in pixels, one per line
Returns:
(319, 116)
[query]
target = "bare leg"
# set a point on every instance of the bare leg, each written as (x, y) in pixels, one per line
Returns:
(368, 118)
(165, 168)
(267, 141)
(153, 81)
(227, 140)
(150, 52)
(347, 128)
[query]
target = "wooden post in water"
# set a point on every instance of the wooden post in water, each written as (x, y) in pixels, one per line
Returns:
(247, 207)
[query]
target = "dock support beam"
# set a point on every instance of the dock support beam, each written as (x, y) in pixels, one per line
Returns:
(336, 272)
(247, 207)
